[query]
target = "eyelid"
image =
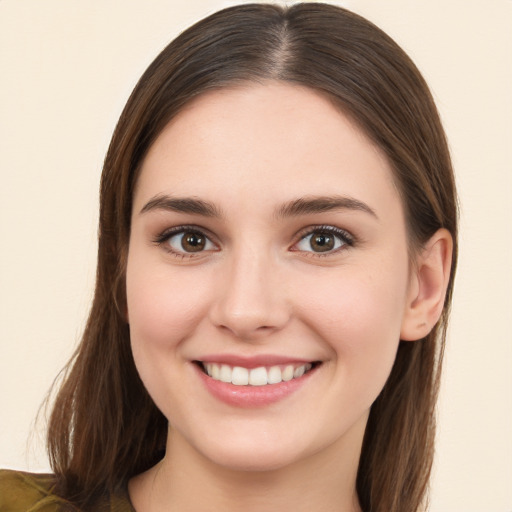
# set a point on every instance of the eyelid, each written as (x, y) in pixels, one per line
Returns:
(167, 234)
(348, 240)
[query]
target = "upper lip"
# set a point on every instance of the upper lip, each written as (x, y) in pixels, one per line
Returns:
(253, 361)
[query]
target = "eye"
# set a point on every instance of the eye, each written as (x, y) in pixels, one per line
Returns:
(325, 239)
(185, 240)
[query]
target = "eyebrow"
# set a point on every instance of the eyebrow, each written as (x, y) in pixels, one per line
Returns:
(315, 204)
(182, 205)
(294, 208)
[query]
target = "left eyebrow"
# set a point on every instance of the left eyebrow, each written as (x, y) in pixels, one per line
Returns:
(320, 204)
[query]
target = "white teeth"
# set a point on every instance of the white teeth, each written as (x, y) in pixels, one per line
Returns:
(240, 376)
(274, 375)
(225, 373)
(260, 376)
(299, 372)
(288, 373)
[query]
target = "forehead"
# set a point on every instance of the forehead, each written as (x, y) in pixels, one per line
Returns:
(266, 141)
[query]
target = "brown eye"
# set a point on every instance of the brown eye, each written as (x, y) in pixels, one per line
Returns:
(187, 241)
(193, 242)
(321, 242)
(324, 240)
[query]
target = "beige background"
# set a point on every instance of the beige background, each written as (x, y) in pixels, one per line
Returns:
(66, 69)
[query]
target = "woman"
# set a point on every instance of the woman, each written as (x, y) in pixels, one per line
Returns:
(276, 259)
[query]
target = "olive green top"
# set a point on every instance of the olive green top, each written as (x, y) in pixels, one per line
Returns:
(31, 492)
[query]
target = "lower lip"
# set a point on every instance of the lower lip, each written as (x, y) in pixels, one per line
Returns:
(252, 396)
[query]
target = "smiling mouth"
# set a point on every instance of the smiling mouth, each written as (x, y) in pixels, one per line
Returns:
(261, 376)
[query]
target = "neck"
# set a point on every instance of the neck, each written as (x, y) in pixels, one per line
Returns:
(186, 481)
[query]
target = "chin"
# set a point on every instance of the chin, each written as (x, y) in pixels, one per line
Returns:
(253, 460)
(250, 453)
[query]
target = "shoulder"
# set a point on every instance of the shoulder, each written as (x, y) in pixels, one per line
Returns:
(33, 492)
(20, 492)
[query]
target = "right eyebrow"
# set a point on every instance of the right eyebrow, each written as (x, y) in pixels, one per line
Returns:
(182, 205)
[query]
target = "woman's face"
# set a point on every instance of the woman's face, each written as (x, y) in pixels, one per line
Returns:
(268, 239)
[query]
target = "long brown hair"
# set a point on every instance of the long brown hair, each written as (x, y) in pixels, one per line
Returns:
(104, 427)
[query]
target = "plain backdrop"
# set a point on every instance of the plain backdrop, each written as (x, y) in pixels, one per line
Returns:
(66, 70)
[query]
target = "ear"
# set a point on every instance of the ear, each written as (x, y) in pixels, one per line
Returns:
(427, 287)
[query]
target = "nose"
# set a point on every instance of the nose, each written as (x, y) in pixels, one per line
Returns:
(251, 300)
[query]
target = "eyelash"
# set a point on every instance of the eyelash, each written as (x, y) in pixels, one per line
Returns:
(166, 235)
(346, 239)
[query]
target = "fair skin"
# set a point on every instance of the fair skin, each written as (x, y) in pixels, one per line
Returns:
(267, 232)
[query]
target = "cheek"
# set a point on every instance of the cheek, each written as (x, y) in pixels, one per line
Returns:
(163, 306)
(163, 311)
(362, 302)
(359, 315)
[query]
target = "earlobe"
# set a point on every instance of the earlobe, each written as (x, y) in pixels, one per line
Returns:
(429, 281)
